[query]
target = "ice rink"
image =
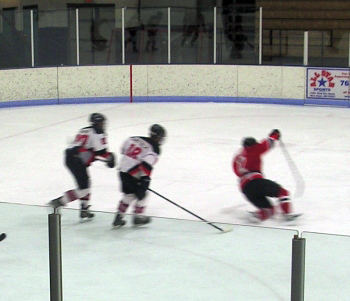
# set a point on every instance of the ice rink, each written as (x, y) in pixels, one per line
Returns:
(194, 171)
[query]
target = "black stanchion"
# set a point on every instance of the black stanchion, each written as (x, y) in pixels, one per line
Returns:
(55, 256)
(298, 269)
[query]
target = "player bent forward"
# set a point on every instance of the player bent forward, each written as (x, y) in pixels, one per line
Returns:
(90, 144)
(247, 166)
(140, 154)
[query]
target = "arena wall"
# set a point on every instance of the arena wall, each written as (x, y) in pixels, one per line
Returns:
(166, 83)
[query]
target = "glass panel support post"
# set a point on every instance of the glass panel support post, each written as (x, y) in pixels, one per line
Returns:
(214, 40)
(169, 37)
(260, 35)
(306, 48)
(32, 36)
(123, 35)
(77, 34)
(55, 256)
(349, 52)
(298, 269)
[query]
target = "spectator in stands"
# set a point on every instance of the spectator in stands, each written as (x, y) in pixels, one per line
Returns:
(192, 24)
(152, 30)
(133, 25)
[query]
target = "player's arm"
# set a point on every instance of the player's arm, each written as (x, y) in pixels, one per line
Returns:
(100, 150)
(145, 170)
(269, 142)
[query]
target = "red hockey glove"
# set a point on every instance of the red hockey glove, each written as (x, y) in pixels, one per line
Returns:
(275, 135)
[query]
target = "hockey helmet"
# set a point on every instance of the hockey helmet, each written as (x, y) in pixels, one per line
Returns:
(158, 133)
(249, 141)
(97, 117)
(98, 122)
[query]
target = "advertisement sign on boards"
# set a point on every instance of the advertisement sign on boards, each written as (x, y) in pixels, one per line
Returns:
(324, 83)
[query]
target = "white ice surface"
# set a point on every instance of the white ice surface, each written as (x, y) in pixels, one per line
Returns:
(194, 171)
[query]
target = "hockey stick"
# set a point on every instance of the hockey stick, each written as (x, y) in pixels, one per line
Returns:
(300, 184)
(2, 236)
(202, 219)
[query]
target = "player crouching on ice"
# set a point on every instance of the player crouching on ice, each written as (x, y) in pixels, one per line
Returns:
(139, 155)
(247, 166)
(90, 144)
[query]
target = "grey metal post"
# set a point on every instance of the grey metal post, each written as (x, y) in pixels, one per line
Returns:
(32, 37)
(349, 52)
(306, 48)
(298, 268)
(123, 35)
(169, 35)
(77, 34)
(214, 40)
(55, 256)
(260, 35)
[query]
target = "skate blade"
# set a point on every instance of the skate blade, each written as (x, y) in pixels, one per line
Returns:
(292, 220)
(84, 220)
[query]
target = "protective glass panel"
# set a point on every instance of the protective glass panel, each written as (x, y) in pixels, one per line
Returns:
(283, 47)
(237, 42)
(15, 39)
(24, 256)
(96, 35)
(115, 44)
(192, 36)
(328, 48)
(51, 37)
(188, 260)
(154, 36)
(327, 266)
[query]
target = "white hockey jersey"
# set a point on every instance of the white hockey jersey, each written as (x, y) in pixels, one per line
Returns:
(140, 154)
(90, 145)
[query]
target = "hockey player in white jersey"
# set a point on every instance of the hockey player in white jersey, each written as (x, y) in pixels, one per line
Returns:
(90, 144)
(140, 154)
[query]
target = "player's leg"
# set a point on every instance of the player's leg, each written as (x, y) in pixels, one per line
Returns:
(272, 189)
(255, 193)
(128, 187)
(82, 192)
(139, 218)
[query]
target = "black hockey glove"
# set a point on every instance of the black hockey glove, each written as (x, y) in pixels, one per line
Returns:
(111, 160)
(142, 187)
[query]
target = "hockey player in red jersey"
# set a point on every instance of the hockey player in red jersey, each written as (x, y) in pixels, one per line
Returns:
(139, 155)
(247, 166)
(90, 144)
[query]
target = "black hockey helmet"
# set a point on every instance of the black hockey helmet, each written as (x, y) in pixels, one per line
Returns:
(157, 132)
(96, 117)
(98, 122)
(249, 141)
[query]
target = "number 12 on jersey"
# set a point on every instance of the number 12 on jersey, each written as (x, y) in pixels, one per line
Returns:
(133, 151)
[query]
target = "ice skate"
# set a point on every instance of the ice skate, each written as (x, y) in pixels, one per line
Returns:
(140, 220)
(254, 217)
(85, 212)
(262, 215)
(56, 203)
(119, 221)
(291, 217)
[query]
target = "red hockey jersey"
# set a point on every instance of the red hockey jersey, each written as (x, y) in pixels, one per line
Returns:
(247, 163)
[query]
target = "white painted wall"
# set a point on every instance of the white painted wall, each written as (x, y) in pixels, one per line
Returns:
(28, 84)
(97, 81)
(153, 80)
